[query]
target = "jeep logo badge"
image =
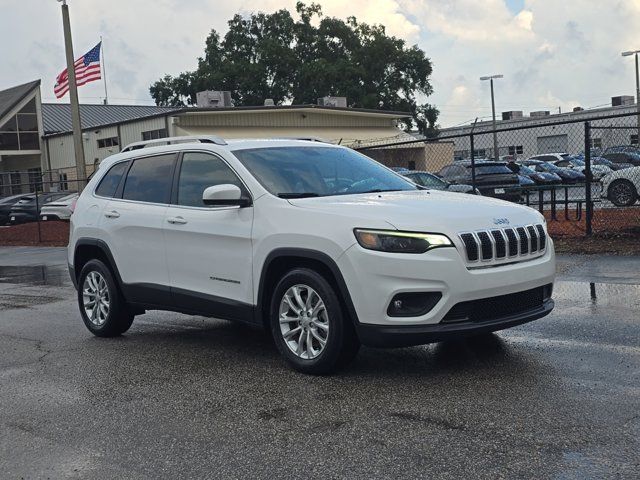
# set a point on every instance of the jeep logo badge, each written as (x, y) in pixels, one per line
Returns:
(501, 221)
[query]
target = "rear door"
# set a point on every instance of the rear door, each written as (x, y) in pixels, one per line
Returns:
(209, 249)
(132, 224)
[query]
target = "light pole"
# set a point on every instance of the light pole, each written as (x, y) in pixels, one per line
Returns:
(628, 54)
(493, 110)
(78, 147)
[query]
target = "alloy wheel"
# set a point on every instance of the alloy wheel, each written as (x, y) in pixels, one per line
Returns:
(95, 298)
(622, 193)
(304, 321)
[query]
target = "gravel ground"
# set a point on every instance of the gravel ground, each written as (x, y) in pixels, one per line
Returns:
(189, 397)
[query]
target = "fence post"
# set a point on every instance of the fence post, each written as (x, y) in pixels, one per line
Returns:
(473, 164)
(588, 175)
(38, 216)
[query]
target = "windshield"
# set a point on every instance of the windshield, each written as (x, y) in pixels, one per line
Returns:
(490, 169)
(291, 172)
(526, 170)
(577, 162)
(548, 167)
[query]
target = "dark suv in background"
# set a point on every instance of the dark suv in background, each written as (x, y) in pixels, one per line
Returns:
(27, 209)
(493, 179)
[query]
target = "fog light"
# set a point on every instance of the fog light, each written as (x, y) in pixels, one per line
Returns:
(413, 304)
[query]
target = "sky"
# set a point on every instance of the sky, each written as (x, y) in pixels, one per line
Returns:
(554, 54)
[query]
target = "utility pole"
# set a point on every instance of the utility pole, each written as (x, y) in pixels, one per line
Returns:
(493, 111)
(78, 147)
(628, 54)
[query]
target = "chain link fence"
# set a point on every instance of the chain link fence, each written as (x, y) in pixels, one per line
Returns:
(584, 176)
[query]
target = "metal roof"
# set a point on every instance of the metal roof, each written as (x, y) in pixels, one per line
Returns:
(56, 117)
(10, 97)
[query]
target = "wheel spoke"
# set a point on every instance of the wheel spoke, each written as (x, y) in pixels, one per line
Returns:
(320, 340)
(298, 297)
(300, 340)
(317, 309)
(292, 332)
(286, 319)
(289, 302)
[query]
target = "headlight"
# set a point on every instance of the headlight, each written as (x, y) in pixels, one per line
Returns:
(400, 242)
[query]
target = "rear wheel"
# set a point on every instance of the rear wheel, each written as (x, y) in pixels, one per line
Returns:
(308, 325)
(622, 193)
(102, 306)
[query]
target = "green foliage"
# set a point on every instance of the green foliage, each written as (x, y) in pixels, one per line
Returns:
(297, 61)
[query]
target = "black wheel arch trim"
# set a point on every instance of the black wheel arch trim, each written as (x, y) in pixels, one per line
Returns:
(309, 254)
(100, 244)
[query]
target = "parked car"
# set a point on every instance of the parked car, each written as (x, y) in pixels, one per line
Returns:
(550, 157)
(525, 181)
(598, 171)
(622, 187)
(60, 209)
(608, 163)
(28, 208)
(492, 178)
(5, 207)
(250, 231)
(536, 178)
(430, 180)
(620, 155)
(567, 175)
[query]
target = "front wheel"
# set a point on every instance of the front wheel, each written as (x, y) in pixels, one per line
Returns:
(308, 325)
(102, 306)
(622, 193)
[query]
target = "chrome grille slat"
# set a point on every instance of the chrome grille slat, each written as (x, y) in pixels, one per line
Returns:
(504, 244)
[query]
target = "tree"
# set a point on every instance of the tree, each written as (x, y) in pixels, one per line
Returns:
(299, 60)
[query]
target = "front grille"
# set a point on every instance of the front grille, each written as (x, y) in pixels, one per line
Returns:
(493, 308)
(498, 244)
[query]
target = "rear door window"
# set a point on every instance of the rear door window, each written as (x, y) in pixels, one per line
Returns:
(149, 179)
(109, 183)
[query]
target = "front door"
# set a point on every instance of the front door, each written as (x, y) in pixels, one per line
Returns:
(209, 249)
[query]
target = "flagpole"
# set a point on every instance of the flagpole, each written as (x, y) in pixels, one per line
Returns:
(81, 170)
(104, 72)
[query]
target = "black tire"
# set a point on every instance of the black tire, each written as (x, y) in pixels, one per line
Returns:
(622, 193)
(118, 317)
(341, 345)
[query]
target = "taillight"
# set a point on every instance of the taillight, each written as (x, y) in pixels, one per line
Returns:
(72, 207)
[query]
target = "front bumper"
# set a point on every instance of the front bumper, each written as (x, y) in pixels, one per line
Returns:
(410, 335)
(375, 278)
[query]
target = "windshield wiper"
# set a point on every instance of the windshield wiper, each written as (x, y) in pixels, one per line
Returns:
(379, 190)
(298, 195)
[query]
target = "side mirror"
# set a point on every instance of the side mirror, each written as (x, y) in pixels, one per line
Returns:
(225, 195)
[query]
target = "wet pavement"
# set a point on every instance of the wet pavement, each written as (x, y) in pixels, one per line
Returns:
(181, 396)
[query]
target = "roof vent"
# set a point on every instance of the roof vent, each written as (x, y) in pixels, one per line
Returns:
(512, 115)
(578, 109)
(214, 99)
(540, 113)
(333, 102)
(268, 102)
(622, 100)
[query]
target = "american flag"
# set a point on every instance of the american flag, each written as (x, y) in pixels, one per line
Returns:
(87, 69)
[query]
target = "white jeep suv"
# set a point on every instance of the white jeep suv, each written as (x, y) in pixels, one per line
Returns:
(321, 245)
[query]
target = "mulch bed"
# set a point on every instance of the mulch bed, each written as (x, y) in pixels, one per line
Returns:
(52, 234)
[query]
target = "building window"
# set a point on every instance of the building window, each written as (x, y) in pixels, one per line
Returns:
(108, 142)
(35, 179)
(154, 134)
(633, 139)
(15, 182)
(480, 153)
(596, 143)
(63, 179)
(20, 132)
(516, 150)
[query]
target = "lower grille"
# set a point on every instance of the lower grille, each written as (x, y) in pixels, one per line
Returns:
(493, 308)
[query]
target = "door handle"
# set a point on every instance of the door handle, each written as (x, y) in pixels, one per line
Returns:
(112, 214)
(176, 220)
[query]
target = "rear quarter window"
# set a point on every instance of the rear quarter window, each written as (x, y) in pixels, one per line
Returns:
(109, 183)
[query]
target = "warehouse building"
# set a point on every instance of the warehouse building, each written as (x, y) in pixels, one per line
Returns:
(36, 140)
(542, 132)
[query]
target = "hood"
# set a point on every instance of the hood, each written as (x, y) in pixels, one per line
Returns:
(425, 210)
(460, 187)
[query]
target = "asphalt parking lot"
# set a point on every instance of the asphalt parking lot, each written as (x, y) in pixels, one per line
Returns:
(188, 397)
